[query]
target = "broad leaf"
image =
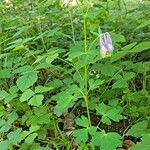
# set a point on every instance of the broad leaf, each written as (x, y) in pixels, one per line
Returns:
(51, 56)
(81, 135)
(109, 113)
(139, 129)
(118, 38)
(15, 136)
(42, 89)
(75, 51)
(31, 138)
(66, 99)
(27, 80)
(36, 100)
(13, 116)
(141, 47)
(4, 145)
(121, 83)
(83, 121)
(3, 94)
(87, 58)
(144, 24)
(124, 51)
(95, 83)
(144, 144)
(107, 141)
(27, 94)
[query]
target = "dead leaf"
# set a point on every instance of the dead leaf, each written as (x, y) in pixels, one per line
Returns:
(128, 144)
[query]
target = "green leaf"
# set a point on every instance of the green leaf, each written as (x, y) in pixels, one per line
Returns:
(41, 116)
(39, 59)
(5, 73)
(141, 47)
(55, 83)
(118, 55)
(64, 104)
(31, 138)
(27, 80)
(78, 78)
(118, 38)
(81, 135)
(129, 75)
(23, 70)
(144, 144)
(114, 114)
(38, 147)
(95, 83)
(109, 113)
(5, 128)
(15, 136)
(51, 56)
(6, 125)
(102, 109)
(124, 51)
(66, 99)
(83, 121)
(75, 51)
(107, 69)
(34, 128)
(42, 89)
(144, 24)
(106, 120)
(121, 83)
(87, 58)
(13, 116)
(107, 141)
(36, 100)
(39, 120)
(13, 90)
(92, 130)
(3, 94)
(27, 94)
(138, 129)
(4, 145)
(9, 96)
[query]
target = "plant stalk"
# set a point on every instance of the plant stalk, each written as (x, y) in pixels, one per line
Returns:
(86, 72)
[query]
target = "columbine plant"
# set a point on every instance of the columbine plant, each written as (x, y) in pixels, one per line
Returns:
(106, 45)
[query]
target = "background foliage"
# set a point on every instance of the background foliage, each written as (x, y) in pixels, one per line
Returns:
(55, 89)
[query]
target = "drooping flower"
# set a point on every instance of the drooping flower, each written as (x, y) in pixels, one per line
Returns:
(106, 45)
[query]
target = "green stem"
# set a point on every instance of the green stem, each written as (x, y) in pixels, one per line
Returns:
(87, 109)
(86, 71)
(144, 81)
(72, 27)
(85, 50)
(40, 30)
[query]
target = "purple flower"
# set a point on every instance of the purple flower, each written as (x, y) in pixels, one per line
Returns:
(106, 45)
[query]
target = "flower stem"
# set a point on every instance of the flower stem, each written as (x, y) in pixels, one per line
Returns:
(87, 109)
(72, 26)
(86, 71)
(144, 81)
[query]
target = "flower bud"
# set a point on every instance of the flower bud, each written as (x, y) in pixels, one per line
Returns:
(106, 46)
